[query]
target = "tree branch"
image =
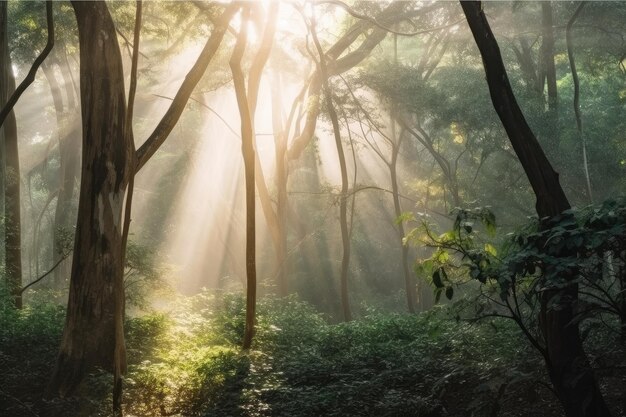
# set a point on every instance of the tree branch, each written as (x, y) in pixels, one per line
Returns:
(30, 77)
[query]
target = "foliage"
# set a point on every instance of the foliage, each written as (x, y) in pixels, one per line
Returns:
(187, 361)
(143, 275)
(587, 244)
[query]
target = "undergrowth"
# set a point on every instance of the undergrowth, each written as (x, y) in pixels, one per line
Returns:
(187, 361)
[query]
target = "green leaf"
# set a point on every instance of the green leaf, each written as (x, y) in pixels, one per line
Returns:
(449, 293)
(490, 249)
(437, 278)
(405, 217)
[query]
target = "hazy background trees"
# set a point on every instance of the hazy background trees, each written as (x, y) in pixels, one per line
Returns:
(366, 120)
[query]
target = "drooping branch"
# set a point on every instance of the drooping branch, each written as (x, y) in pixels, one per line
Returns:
(51, 270)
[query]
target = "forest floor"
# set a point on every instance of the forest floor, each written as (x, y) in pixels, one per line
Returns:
(188, 363)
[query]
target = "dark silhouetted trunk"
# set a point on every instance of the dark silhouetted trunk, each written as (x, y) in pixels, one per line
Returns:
(567, 364)
(547, 53)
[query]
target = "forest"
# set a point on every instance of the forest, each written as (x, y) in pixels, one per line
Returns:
(303, 208)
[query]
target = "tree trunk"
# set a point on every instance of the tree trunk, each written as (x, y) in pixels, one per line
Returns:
(547, 50)
(246, 102)
(281, 176)
(343, 202)
(93, 333)
(579, 120)
(395, 190)
(69, 145)
(11, 174)
(568, 367)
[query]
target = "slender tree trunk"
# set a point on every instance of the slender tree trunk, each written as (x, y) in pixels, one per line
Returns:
(281, 175)
(69, 144)
(547, 49)
(4, 56)
(246, 102)
(396, 142)
(343, 207)
(343, 202)
(579, 120)
(11, 174)
(395, 190)
(69, 153)
(568, 367)
(247, 149)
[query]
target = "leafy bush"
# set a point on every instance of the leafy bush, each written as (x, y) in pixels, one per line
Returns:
(187, 361)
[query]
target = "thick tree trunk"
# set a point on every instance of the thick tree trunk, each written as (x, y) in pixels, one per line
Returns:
(93, 333)
(567, 364)
(11, 174)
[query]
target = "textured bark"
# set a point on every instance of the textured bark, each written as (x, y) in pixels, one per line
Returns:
(567, 364)
(93, 334)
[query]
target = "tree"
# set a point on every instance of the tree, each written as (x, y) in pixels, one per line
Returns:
(568, 367)
(10, 169)
(247, 106)
(322, 68)
(93, 334)
(13, 229)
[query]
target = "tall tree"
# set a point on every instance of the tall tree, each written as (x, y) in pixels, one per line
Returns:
(322, 67)
(12, 207)
(10, 169)
(547, 53)
(247, 101)
(93, 333)
(567, 364)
